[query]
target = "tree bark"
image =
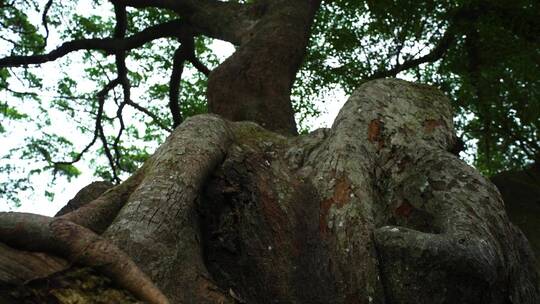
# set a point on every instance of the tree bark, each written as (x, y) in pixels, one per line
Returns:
(372, 210)
(255, 83)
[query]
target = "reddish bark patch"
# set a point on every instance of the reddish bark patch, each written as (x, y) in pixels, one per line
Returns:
(374, 130)
(405, 209)
(431, 124)
(341, 197)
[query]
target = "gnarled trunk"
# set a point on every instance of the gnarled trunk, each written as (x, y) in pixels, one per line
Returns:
(372, 210)
(255, 83)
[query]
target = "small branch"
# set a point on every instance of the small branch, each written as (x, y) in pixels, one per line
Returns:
(174, 85)
(186, 52)
(101, 101)
(200, 66)
(10, 41)
(435, 54)
(20, 92)
(148, 113)
(116, 143)
(44, 20)
(122, 71)
(108, 154)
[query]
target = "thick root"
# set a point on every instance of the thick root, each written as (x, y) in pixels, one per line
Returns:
(80, 246)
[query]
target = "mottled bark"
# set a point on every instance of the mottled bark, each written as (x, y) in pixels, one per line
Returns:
(372, 210)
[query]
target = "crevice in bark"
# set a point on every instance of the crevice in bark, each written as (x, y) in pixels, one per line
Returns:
(255, 210)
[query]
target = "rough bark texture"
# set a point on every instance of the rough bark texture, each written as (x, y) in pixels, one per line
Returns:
(372, 210)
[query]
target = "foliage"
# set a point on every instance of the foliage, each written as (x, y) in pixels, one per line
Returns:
(489, 64)
(484, 54)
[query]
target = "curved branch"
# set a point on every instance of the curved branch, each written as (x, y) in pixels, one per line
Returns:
(122, 71)
(101, 101)
(174, 85)
(173, 28)
(108, 153)
(186, 52)
(44, 20)
(116, 143)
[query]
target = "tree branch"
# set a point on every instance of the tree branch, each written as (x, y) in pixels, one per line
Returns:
(148, 113)
(122, 71)
(185, 52)
(435, 54)
(227, 21)
(200, 66)
(44, 20)
(174, 85)
(101, 101)
(173, 28)
(108, 154)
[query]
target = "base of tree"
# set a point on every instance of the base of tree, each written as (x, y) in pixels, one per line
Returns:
(374, 210)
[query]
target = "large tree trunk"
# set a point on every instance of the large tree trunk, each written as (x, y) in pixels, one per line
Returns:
(372, 210)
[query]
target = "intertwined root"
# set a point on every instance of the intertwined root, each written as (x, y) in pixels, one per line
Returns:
(78, 245)
(227, 212)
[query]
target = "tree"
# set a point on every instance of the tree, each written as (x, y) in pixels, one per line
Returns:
(235, 207)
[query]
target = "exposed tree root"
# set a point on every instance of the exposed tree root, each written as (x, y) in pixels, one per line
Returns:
(98, 214)
(18, 267)
(78, 245)
(159, 224)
